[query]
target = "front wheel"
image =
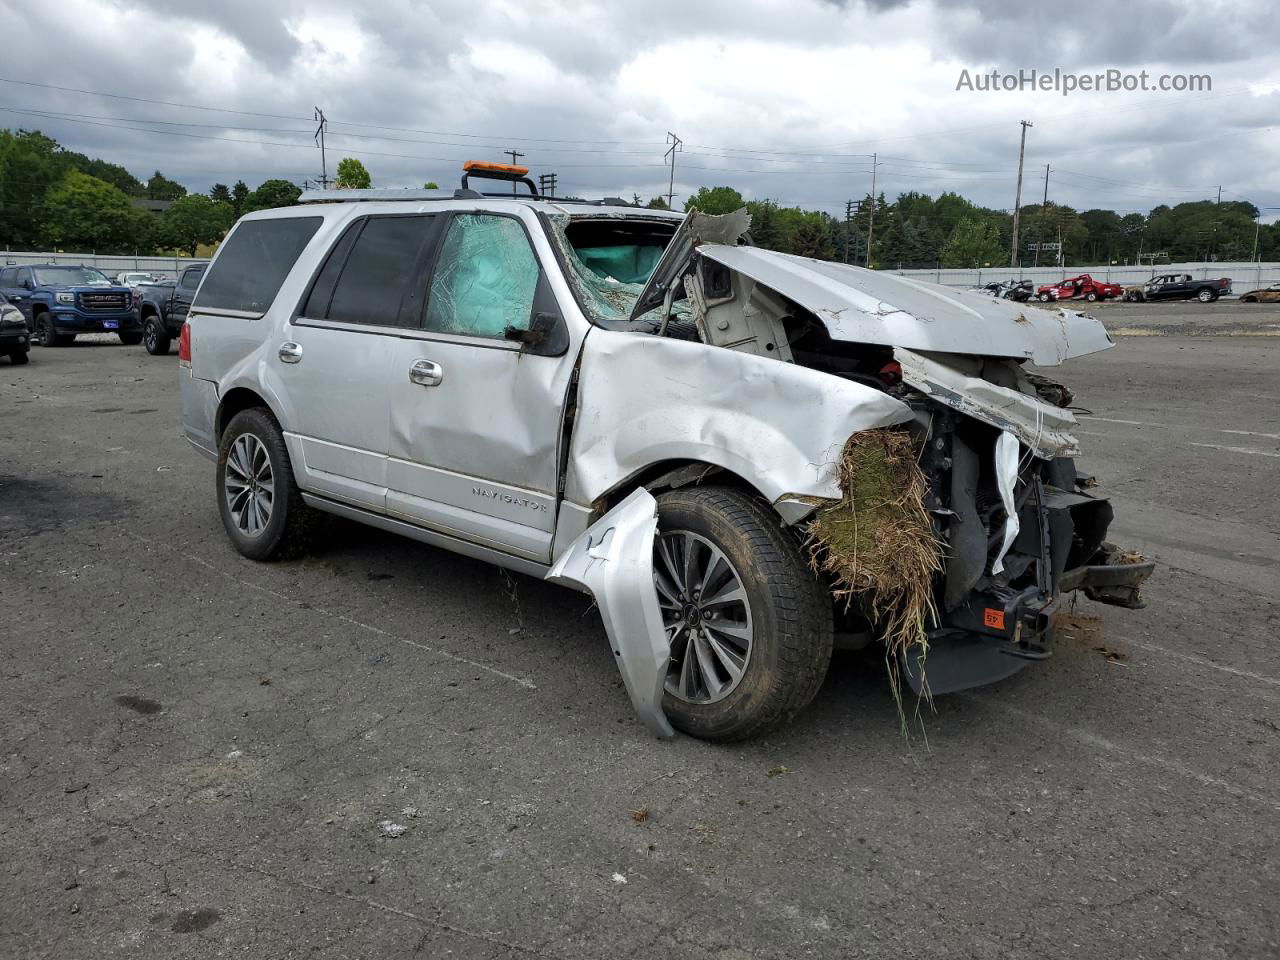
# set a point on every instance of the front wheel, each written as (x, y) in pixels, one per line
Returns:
(19, 357)
(130, 339)
(1248, 299)
(749, 622)
(260, 504)
(45, 335)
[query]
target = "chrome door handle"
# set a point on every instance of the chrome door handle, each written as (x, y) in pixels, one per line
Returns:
(426, 373)
(290, 352)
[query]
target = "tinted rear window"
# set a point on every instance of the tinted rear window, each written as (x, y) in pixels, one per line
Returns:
(379, 280)
(253, 263)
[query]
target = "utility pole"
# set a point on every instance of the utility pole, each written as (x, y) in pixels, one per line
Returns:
(1219, 195)
(676, 147)
(1017, 195)
(319, 138)
(1044, 206)
(871, 225)
(515, 155)
(547, 184)
(849, 207)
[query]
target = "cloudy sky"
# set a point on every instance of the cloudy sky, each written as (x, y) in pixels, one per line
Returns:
(784, 99)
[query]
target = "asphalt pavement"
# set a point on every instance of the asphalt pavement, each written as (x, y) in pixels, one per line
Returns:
(384, 750)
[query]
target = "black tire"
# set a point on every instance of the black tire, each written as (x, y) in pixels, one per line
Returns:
(1091, 296)
(45, 335)
(1207, 296)
(790, 614)
(1248, 299)
(285, 533)
(155, 337)
(130, 339)
(19, 357)
(1042, 297)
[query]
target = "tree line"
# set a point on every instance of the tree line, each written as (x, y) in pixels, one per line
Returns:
(55, 198)
(917, 230)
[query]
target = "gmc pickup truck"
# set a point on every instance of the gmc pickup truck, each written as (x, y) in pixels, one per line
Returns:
(1179, 286)
(60, 301)
(165, 307)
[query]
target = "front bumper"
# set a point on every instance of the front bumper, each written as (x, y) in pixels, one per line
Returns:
(996, 634)
(80, 321)
(14, 338)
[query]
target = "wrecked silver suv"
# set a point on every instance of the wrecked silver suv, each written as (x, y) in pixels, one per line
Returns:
(741, 455)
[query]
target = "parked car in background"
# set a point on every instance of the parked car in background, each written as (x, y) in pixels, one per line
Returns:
(1269, 294)
(164, 309)
(1179, 286)
(1017, 290)
(133, 279)
(643, 407)
(61, 301)
(1083, 287)
(15, 339)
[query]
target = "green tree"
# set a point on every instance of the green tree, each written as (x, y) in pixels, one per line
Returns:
(657, 203)
(193, 220)
(84, 214)
(973, 244)
(352, 175)
(239, 193)
(715, 200)
(271, 194)
(160, 187)
(219, 193)
(30, 163)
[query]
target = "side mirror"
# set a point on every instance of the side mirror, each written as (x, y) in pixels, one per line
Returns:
(547, 333)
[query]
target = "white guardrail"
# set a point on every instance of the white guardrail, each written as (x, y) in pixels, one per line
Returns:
(1244, 275)
(110, 265)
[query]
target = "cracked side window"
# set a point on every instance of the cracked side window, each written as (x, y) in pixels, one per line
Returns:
(484, 279)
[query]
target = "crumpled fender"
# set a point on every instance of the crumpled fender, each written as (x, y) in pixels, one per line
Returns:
(613, 561)
(645, 400)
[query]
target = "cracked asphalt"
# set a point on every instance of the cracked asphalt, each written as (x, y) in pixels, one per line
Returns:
(384, 750)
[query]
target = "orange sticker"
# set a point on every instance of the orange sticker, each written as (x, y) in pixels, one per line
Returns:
(993, 618)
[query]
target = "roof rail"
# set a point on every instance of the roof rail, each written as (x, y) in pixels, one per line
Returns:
(377, 193)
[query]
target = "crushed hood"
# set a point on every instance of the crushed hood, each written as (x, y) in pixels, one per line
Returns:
(868, 306)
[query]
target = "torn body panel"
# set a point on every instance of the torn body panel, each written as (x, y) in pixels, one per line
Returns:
(645, 400)
(954, 382)
(613, 561)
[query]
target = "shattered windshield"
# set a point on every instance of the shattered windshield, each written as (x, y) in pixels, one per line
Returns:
(607, 278)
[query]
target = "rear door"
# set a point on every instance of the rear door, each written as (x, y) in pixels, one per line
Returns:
(343, 354)
(474, 418)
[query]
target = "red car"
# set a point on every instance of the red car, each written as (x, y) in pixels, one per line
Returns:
(1083, 287)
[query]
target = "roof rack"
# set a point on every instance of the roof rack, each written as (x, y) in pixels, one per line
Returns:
(378, 193)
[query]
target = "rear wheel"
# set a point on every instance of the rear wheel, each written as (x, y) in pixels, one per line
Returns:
(1206, 296)
(1042, 297)
(155, 338)
(749, 622)
(260, 504)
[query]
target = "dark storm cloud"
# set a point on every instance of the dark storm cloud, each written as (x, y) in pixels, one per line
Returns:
(738, 75)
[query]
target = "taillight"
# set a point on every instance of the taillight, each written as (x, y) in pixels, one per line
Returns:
(184, 344)
(891, 373)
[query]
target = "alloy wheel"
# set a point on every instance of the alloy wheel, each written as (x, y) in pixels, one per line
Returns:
(249, 484)
(706, 614)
